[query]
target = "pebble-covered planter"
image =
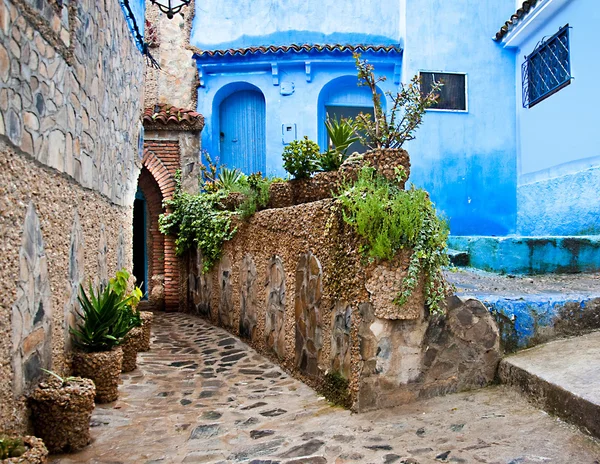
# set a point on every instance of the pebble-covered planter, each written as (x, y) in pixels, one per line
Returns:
(147, 318)
(61, 413)
(36, 452)
(130, 346)
(104, 368)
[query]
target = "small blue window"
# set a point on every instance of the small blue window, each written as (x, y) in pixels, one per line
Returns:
(547, 69)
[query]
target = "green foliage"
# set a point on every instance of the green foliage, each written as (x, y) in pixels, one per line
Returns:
(255, 187)
(390, 219)
(120, 285)
(208, 173)
(342, 134)
(11, 447)
(228, 179)
(301, 158)
(335, 389)
(408, 106)
(197, 221)
(103, 320)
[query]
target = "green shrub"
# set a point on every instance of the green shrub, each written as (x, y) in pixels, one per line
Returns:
(120, 285)
(104, 320)
(11, 447)
(198, 221)
(256, 190)
(301, 158)
(390, 219)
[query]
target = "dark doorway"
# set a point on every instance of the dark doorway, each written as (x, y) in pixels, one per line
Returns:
(140, 255)
(342, 112)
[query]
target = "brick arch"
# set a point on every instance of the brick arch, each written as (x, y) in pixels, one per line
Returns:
(162, 173)
(161, 249)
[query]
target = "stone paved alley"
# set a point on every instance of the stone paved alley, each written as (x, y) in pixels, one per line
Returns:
(200, 395)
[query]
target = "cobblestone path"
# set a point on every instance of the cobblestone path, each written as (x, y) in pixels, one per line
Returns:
(202, 396)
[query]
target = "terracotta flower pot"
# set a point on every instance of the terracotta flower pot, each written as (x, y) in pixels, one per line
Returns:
(147, 318)
(104, 368)
(36, 452)
(130, 346)
(61, 413)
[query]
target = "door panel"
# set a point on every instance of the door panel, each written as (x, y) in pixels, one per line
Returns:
(242, 127)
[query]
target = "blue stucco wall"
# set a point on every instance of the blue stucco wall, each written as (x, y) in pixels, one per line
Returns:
(243, 23)
(467, 161)
(531, 255)
(304, 107)
(559, 148)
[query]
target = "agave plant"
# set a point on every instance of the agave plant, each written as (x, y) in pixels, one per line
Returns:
(104, 320)
(342, 134)
(228, 179)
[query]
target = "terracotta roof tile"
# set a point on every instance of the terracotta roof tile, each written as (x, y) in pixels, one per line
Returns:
(515, 18)
(296, 48)
(168, 117)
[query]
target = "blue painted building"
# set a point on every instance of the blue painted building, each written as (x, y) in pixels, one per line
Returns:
(496, 164)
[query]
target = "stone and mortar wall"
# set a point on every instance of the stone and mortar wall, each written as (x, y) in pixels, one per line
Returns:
(292, 282)
(175, 83)
(71, 82)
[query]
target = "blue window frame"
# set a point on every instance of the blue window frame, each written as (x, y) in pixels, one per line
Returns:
(547, 69)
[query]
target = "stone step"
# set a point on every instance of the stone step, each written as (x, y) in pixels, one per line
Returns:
(562, 377)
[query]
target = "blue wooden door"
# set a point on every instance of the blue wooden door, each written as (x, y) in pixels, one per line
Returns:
(242, 127)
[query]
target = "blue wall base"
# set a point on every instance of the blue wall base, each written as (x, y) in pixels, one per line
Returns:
(527, 320)
(531, 255)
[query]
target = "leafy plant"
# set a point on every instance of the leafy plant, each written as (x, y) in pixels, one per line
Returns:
(390, 219)
(63, 380)
(120, 285)
(301, 158)
(11, 447)
(256, 190)
(342, 134)
(103, 320)
(229, 179)
(208, 172)
(197, 221)
(408, 106)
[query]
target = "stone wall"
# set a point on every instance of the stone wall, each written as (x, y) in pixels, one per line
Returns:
(293, 283)
(175, 83)
(71, 83)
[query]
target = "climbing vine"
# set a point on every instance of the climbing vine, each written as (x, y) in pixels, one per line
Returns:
(390, 219)
(197, 221)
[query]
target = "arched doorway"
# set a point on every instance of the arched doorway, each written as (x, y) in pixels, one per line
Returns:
(148, 242)
(343, 98)
(140, 245)
(242, 128)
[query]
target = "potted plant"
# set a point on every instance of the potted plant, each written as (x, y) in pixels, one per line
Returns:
(24, 449)
(386, 133)
(147, 318)
(61, 409)
(134, 339)
(101, 328)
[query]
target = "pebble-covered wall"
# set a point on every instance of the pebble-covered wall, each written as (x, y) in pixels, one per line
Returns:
(293, 283)
(71, 82)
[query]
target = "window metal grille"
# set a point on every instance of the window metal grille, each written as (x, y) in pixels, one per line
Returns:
(547, 69)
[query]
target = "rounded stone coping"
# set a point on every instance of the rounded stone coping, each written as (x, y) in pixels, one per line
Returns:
(74, 393)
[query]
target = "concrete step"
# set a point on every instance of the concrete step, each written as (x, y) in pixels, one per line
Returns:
(562, 377)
